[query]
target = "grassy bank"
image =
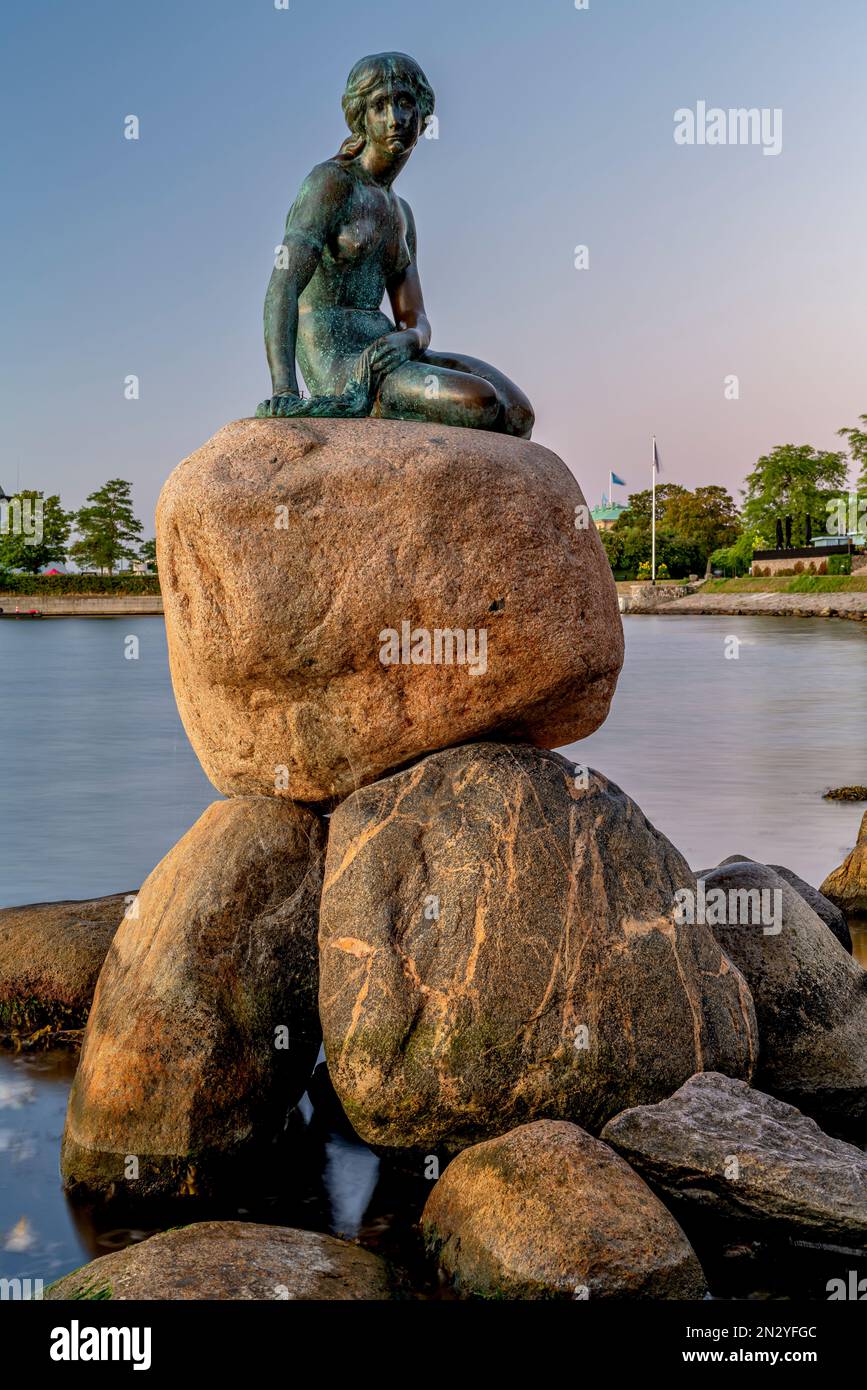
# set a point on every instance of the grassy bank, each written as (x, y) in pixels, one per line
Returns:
(786, 584)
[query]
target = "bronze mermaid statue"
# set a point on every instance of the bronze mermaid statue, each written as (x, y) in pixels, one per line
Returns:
(349, 242)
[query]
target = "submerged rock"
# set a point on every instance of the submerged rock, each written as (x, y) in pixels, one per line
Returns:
(810, 998)
(230, 1260)
(50, 957)
(547, 1211)
(718, 1147)
(338, 602)
(847, 886)
(497, 944)
(204, 1027)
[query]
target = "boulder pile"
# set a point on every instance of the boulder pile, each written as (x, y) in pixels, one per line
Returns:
(378, 634)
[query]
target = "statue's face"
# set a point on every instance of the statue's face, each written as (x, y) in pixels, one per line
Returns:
(391, 120)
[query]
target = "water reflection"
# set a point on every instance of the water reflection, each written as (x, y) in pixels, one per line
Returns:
(38, 1238)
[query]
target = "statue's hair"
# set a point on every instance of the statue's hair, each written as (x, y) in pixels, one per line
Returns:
(368, 74)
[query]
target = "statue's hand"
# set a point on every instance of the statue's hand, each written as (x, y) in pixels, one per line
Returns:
(392, 350)
(280, 406)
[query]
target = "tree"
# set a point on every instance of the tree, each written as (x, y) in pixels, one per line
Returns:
(147, 553)
(107, 527)
(682, 553)
(612, 544)
(33, 536)
(736, 559)
(630, 547)
(858, 447)
(638, 511)
(794, 480)
(634, 546)
(705, 520)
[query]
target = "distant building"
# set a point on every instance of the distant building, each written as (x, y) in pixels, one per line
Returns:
(822, 542)
(607, 513)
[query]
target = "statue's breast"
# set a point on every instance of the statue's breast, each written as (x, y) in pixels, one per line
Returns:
(357, 239)
(374, 229)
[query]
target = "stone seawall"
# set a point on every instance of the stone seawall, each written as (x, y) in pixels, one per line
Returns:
(842, 605)
(644, 597)
(84, 605)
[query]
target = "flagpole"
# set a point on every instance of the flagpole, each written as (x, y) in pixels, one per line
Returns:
(653, 516)
(611, 488)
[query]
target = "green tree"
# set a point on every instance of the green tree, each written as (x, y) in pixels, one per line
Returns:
(634, 547)
(703, 520)
(612, 544)
(147, 553)
(857, 439)
(33, 536)
(793, 480)
(682, 554)
(108, 528)
(736, 559)
(630, 547)
(638, 511)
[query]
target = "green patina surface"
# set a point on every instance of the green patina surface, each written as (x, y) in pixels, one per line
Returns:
(350, 244)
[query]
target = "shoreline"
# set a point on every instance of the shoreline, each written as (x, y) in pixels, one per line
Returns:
(83, 605)
(772, 602)
(849, 606)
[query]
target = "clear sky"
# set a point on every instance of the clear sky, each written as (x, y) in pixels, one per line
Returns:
(151, 257)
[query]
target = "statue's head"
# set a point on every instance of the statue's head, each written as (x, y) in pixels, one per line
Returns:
(387, 102)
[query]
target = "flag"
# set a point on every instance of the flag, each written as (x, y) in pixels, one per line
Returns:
(656, 464)
(619, 481)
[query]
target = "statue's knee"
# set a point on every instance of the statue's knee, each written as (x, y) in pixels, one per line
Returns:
(482, 405)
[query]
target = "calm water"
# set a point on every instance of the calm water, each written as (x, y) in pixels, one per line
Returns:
(99, 782)
(732, 756)
(724, 756)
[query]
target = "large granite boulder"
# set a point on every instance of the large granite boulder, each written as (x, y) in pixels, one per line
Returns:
(547, 1211)
(230, 1260)
(717, 1147)
(50, 957)
(323, 579)
(810, 996)
(204, 1027)
(497, 944)
(847, 886)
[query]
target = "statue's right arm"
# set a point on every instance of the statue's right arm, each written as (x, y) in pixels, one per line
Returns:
(312, 218)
